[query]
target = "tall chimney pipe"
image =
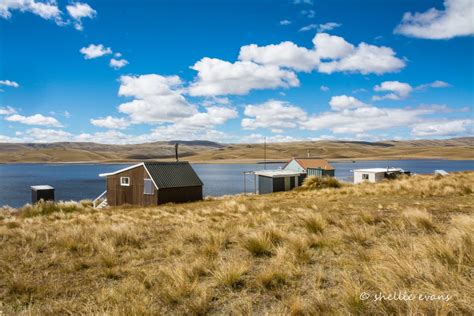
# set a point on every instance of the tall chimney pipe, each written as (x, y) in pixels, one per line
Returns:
(176, 151)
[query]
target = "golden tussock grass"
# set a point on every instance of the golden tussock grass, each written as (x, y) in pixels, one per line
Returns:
(305, 252)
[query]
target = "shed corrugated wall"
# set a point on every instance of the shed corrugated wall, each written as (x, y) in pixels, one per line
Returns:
(318, 172)
(265, 185)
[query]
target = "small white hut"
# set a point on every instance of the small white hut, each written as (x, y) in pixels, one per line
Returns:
(375, 174)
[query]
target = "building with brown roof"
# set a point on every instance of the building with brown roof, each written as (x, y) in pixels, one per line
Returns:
(310, 167)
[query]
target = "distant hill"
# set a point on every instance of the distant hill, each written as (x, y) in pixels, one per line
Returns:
(207, 151)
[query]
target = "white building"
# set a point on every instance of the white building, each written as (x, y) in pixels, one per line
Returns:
(270, 181)
(375, 174)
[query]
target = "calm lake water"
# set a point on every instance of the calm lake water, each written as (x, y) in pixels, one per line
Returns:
(81, 181)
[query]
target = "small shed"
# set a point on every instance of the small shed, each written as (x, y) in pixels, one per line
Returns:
(42, 192)
(376, 174)
(153, 183)
(310, 167)
(276, 180)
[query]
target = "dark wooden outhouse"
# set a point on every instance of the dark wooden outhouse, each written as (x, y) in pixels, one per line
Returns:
(152, 183)
(42, 192)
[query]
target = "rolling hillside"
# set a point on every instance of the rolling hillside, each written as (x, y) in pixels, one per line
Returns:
(205, 151)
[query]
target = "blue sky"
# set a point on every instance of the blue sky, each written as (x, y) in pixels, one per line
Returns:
(235, 71)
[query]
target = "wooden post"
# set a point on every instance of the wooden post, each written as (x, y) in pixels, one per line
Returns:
(265, 153)
(255, 183)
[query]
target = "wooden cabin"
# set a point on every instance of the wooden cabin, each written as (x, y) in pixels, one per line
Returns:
(153, 183)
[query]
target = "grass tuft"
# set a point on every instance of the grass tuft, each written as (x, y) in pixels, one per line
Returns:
(259, 245)
(231, 274)
(315, 183)
(315, 223)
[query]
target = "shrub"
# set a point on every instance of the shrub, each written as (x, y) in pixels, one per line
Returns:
(48, 207)
(315, 183)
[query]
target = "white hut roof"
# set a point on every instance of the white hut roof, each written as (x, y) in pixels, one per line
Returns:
(378, 170)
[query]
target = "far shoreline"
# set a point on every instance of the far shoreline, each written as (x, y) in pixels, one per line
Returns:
(232, 161)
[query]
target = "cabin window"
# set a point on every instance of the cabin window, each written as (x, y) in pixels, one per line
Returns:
(365, 176)
(148, 186)
(125, 181)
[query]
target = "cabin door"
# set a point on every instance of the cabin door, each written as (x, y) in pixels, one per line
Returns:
(125, 197)
(287, 183)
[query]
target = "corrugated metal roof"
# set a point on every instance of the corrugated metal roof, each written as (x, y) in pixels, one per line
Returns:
(378, 170)
(314, 163)
(173, 174)
(276, 173)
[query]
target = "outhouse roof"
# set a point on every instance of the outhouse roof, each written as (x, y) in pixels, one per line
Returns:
(41, 187)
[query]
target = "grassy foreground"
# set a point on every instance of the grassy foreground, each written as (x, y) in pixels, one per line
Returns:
(302, 253)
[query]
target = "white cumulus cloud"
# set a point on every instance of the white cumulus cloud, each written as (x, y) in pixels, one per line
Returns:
(37, 119)
(331, 46)
(118, 63)
(7, 110)
(434, 84)
(329, 54)
(285, 54)
(328, 26)
(344, 102)
(364, 58)
(9, 83)
(78, 11)
(398, 90)
(219, 77)
(110, 122)
(361, 120)
(320, 27)
(444, 128)
(272, 114)
(47, 10)
(324, 88)
(156, 99)
(94, 51)
(455, 20)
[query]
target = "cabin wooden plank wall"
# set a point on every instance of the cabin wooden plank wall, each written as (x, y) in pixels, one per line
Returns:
(179, 194)
(132, 194)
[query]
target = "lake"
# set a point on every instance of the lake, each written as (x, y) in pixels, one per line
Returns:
(81, 181)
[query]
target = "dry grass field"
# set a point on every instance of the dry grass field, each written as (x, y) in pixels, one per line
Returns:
(204, 151)
(461, 148)
(306, 252)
